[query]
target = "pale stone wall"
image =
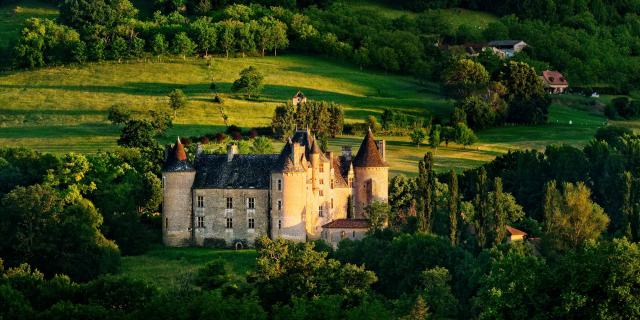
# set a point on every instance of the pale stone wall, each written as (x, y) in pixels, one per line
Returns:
(295, 192)
(176, 208)
(333, 236)
(215, 215)
(370, 184)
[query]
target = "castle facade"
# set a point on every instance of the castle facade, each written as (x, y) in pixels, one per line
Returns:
(299, 194)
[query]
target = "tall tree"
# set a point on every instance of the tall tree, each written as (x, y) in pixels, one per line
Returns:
(177, 100)
(454, 199)
(426, 184)
(481, 204)
(465, 76)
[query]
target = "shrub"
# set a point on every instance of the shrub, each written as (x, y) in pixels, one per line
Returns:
(218, 99)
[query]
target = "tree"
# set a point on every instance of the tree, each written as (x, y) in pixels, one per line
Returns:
(283, 123)
(119, 49)
(227, 37)
(336, 119)
(571, 218)
(463, 77)
(419, 311)
(435, 287)
(464, 135)
(418, 135)
(159, 45)
(454, 201)
(213, 275)
(119, 114)
(261, 145)
(182, 45)
(204, 33)
(378, 215)
(138, 134)
(479, 114)
(250, 82)
(426, 184)
(244, 38)
(177, 100)
(526, 97)
(434, 137)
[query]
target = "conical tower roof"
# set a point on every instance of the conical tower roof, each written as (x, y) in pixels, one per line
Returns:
(177, 159)
(368, 154)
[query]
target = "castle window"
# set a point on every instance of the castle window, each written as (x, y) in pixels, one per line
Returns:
(200, 222)
(200, 201)
(350, 182)
(229, 203)
(252, 223)
(251, 203)
(279, 183)
(279, 205)
(164, 181)
(331, 183)
(279, 224)
(320, 211)
(229, 223)
(166, 223)
(331, 203)
(321, 181)
(320, 192)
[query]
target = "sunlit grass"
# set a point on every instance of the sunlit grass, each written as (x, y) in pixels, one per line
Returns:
(13, 14)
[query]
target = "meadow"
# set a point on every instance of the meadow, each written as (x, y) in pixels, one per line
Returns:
(170, 268)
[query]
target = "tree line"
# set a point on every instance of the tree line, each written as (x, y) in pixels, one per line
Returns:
(325, 119)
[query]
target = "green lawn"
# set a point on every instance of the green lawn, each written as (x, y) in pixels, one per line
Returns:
(12, 15)
(169, 267)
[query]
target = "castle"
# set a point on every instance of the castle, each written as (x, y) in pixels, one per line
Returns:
(299, 194)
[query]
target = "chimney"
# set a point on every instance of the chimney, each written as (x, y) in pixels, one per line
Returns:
(298, 151)
(382, 148)
(346, 152)
(232, 150)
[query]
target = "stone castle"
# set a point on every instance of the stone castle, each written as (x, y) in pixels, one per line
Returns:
(300, 194)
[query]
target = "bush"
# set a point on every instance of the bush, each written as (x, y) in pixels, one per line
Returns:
(218, 99)
(215, 243)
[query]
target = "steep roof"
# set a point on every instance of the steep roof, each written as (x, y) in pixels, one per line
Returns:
(368, 154)
(285, 161)
(176, 160)
(554, 78)
(347, 224)
(244, 171)
(504, 43)
(339, 179)
(515, 232)
(299, 94)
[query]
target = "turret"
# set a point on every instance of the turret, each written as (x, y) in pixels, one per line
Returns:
(371, 174)
(288, 189)
(177, 180)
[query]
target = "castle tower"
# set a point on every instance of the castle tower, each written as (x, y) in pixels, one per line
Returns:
(289, 187)
(371, 174)
(177, 180)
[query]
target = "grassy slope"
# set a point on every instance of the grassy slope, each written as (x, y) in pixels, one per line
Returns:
(12, 16)
(169, 267)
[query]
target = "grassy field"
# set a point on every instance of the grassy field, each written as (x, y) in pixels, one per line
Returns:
(169, 267)
(12, 16)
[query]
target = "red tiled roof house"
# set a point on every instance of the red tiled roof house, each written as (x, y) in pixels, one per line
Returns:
(554, 81)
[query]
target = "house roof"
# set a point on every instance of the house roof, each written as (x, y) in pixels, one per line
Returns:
(504, 43)
(554, 78)
(347, 224)
(368, 154)
(177, 159)
(244, 171)
(339, 178)
(515, 232)
(299, 94)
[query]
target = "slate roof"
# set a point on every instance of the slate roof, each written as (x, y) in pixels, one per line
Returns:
(368, 154)
(340, 175)
(554, 78)
(347, 224)
(177, 159)
(244, 171)
(504, 43)
(285, 161)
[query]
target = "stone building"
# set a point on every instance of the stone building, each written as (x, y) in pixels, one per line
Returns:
(292, 195)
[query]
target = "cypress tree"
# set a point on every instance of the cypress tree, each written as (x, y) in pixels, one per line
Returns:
(498, 220)
(481, 203)
(426, 187)
(454, 198)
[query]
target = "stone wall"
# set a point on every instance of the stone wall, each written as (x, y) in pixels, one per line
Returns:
(176, 208)
(370, 184)
(333, 236)
(215, 215)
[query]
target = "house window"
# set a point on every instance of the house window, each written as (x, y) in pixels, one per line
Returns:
(229, 203)
(229, 223)
(320, 193)
(343, 234)
(321, 181)
(320, 211)
(279, 183)
(279, 224)
(200, 223)
(200, 201)
(252, 223)
(279, 205)
(354, 235)
(251, 203)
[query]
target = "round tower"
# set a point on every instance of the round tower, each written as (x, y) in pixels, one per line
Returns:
(177, 180)
(288, 196)
(371, 175)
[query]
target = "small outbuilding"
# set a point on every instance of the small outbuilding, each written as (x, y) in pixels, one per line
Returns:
(554, 82)
(508, 47)
(515, 234)
(340, 229)
(299, 98)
